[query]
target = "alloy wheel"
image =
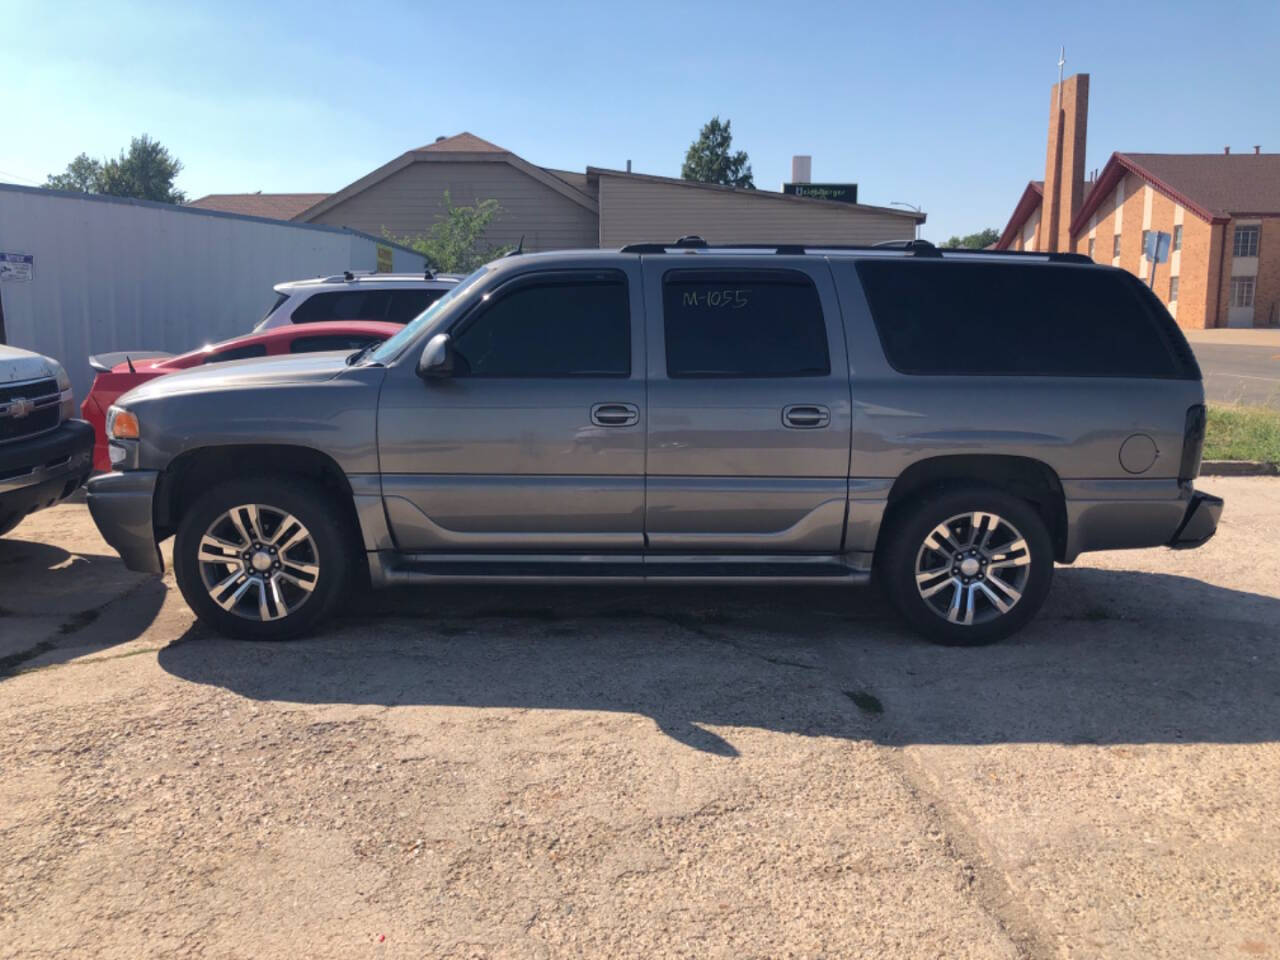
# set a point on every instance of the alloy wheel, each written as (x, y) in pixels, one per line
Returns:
(258, 562)
(973, 568)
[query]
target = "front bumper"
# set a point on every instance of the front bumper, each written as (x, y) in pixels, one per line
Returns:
(121, 506)
(1199, 523)
(39, 472)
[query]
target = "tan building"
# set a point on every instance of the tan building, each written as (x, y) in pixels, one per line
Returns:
(559, 209)
(1222, 212)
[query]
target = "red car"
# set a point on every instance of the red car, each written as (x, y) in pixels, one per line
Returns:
(120, 372)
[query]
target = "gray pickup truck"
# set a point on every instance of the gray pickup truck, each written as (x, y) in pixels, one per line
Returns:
(44, 450)
(951, 423)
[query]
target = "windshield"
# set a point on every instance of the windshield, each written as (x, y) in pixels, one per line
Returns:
(391, 348)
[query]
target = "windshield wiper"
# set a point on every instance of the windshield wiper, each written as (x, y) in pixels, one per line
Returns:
(363, 352)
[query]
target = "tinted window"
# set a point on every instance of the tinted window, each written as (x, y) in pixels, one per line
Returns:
(550, 328)
(336, 341)
(407, 304)
(936, 317)
(237, 353)
(344, 305)
(750, 323)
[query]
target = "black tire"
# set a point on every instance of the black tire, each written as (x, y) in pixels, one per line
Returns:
(315, 509)
(904, 545)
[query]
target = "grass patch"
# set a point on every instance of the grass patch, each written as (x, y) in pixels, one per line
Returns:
(1242, 433)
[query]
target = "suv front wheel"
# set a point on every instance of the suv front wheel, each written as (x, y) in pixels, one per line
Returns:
(968, 565)
(261, 559)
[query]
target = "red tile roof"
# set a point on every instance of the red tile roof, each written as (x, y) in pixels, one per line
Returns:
(273, 206)
(462, 143)
(1214, 186)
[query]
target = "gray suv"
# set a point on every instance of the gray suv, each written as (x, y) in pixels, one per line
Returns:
(951, 423)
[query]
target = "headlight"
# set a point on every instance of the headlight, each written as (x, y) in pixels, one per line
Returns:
(66, 400)
(122, 424)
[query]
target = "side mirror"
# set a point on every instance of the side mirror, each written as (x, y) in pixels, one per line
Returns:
(436, 361)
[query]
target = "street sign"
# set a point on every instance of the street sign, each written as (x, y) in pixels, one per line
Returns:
(840, 192)
(1157, 248)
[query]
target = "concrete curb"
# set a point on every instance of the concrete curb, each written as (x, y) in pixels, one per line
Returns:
(1239, 468)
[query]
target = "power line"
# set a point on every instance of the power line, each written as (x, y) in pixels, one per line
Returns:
(18, 178)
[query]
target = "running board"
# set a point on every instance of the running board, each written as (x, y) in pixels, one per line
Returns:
(389, 569)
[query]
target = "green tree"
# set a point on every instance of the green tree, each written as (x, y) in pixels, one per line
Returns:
(709, 159)
(455, 242)
(145, 171)
(976, 241)
(83, 175)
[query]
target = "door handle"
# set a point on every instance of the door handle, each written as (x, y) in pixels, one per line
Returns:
(805, 416)
(615, 414)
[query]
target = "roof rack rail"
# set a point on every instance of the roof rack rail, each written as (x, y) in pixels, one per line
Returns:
(916, 248)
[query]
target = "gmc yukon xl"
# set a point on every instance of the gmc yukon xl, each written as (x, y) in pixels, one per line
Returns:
(951, 423)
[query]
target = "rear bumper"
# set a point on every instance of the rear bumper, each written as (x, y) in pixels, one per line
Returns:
(1199, 523)
(1126, 514)
(121, 505)
(39, 472)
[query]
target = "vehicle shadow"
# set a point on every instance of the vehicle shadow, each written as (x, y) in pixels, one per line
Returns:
(56, 604)
(1115, 657)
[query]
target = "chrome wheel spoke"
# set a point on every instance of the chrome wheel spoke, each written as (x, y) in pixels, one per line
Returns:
(941, 541)
(307, 585)
(995, 600)
(216, 550)
(228, 602)
(938, 587)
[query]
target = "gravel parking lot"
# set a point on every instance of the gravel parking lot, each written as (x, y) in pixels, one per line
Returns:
(533, 772)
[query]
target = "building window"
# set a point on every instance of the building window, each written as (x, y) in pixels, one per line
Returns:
(1246, 242)
(1177, 237)
(1091, 248)
(1173, 289)
(1242, 291)
(1115, 246)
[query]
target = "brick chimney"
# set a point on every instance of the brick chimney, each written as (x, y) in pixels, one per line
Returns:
(1064, 161)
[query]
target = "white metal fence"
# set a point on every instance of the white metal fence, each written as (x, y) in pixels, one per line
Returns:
(108, 274)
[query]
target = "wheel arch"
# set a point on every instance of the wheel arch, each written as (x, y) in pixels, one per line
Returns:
(1024, 477)
(194, 471)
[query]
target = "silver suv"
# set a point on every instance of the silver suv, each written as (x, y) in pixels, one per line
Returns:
(953, 423)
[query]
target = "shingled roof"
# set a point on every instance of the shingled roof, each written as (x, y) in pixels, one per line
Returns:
(462, 143)
(1214, 186)
(273, 206)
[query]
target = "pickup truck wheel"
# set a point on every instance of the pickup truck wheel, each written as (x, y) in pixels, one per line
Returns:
(968, 566)
(261, 559)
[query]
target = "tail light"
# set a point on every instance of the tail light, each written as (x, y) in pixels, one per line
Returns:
(1192, 443)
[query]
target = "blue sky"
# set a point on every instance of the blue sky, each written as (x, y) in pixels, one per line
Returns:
(943, 105)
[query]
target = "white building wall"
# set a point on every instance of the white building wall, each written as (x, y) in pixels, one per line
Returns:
(113, 274)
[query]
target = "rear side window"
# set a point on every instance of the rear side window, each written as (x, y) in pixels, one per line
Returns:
(743, 323)
(557, 327)
(343, 305)
(997, 319)
(237, 353)
(406, 304)
(336, 341)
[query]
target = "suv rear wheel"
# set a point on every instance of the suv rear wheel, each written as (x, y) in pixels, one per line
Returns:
(969, 565)
(261, 559)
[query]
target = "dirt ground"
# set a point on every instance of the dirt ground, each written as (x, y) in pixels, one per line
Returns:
(533, 772)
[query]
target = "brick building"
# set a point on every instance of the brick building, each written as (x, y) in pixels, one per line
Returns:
(1221, 210)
